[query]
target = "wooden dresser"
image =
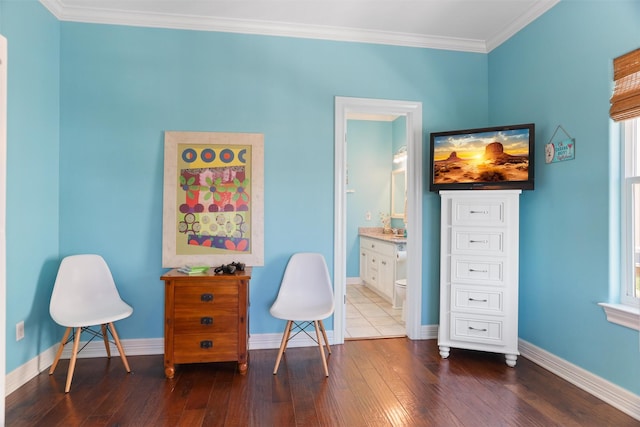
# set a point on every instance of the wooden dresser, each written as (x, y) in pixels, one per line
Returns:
(206, 318)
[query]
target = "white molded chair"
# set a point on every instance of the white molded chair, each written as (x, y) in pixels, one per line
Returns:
(85, 295)
(305, 297)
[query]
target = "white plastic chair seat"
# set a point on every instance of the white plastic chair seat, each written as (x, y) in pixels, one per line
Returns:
(107, 312)
(305, 297)
(85, 295)
(318, 311)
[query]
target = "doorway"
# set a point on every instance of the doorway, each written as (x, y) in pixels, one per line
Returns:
(412, 111)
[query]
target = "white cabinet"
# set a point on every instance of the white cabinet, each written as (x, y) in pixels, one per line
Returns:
(479, 272)
(378, 266)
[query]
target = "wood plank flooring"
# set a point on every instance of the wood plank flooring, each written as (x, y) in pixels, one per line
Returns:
(386, 382)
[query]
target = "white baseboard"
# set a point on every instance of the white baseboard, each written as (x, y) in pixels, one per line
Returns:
(353, 281)
(614, 395)
(21, 375)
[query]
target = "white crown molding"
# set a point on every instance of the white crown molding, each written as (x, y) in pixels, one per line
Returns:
(538, 9)
(200, 23)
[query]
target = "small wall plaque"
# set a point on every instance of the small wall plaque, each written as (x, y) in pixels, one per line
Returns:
(560, 151)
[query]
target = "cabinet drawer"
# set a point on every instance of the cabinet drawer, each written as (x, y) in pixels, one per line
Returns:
(190, 321)
(196, 297)
(473, 329)
(384, 248)
(207, 347)
(483, 212)
(471, 270)
(478, 242)
(477, 300)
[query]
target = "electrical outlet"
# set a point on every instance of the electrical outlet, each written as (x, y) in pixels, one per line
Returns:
(19, 330)
(367, 216)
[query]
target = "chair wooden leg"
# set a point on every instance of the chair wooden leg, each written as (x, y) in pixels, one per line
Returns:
(72, 362)
(283, 345)
(120, 350)
(324, 361)
(65, 337)
(324, 335)
(103, 327)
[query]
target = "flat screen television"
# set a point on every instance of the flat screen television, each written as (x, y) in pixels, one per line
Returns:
(492, 158)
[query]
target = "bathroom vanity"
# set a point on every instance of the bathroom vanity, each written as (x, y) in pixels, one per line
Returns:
(382, 260)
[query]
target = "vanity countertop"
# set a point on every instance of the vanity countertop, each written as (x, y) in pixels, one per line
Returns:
(376, 233)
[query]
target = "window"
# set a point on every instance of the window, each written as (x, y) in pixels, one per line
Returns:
(625, 108)
(630, 210)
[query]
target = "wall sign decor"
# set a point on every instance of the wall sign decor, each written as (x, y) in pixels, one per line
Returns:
(213, 208)
(560, 151)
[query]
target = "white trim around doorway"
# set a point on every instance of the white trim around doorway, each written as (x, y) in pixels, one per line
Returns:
(413, 112)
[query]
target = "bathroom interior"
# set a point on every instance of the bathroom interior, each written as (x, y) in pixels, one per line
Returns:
(376, 226)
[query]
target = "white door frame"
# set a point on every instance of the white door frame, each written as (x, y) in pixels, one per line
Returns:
(413, 113)
(3, 211)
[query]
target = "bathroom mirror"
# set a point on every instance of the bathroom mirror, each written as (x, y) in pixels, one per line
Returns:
(398, 193)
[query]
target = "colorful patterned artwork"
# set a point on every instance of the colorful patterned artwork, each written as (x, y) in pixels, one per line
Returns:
(216, 209)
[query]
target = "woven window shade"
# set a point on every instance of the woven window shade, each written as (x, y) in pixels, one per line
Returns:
(625, 102)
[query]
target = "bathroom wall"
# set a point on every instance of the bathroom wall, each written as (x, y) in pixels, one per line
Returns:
(369, 162)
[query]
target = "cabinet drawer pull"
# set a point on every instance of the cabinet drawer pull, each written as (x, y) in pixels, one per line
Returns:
(479, 212)
(471, 328)
(473, 270)
(206, 297)
(477, 300)
(384, 262)
(206, 320)
(206, 344)
(478, 241)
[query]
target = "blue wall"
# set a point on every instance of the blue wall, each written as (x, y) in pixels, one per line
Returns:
(122, 87)
(33, 37)
(369, 161)
(558, 71)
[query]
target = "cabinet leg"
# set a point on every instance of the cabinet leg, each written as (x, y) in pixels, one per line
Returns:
(169, 371)
(510, 359)
(444, 351)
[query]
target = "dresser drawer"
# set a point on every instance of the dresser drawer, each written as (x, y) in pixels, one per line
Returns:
(471, 270)
(468, 328)
(488, 301)
(205, 296)
(485, 212)
(205, 347)
(480, 242)
(212, 321)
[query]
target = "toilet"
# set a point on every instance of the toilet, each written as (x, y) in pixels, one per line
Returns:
(400, 294)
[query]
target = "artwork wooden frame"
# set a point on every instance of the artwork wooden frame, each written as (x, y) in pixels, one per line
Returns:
(213, 206)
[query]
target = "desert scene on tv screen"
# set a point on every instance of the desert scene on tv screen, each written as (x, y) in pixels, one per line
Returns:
(485, 157)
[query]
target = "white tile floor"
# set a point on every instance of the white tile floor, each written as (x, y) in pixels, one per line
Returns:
(371, 316)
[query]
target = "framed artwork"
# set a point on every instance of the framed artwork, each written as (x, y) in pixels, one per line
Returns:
(213, 207)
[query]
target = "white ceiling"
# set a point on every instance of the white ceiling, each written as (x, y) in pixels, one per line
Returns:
(465, 25)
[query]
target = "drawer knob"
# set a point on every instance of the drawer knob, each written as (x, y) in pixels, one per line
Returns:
(206, 320)
(206, 344)
(206, 297)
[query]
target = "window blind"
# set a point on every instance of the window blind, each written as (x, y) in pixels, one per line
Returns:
(625, 102)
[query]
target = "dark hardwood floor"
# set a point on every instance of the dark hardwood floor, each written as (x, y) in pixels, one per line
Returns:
(388, 382)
